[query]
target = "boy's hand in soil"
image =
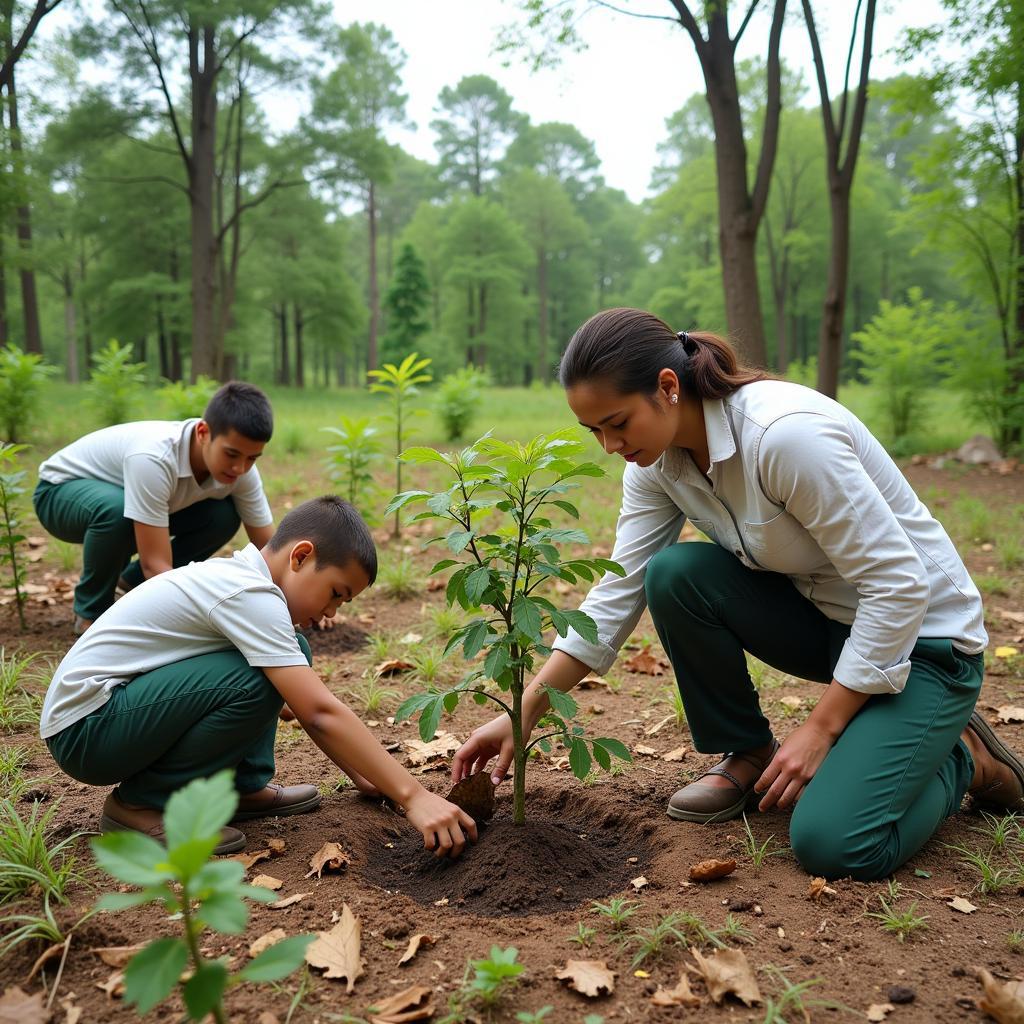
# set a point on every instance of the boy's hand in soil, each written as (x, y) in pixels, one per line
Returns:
(494, 738)
(440, 823)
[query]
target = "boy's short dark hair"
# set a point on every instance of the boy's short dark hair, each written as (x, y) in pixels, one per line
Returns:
(334, 527)
(240, 407)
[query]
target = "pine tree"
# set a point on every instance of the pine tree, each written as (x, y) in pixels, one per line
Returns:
(406, 299)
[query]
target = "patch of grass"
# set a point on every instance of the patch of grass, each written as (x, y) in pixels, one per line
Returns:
(758, 854)
(1001, 832)
(584, 934)
(400, 579)
(617, 911)
(791, 999)
(67, 552)
(680, 928)
(381, 645)
(1015, 940)
(429, 664)
(974, 518)
(20, 705)
(12, 771)
(901, 924)
(27, 861)
(991, 585)
(372, 694)
(25, 927)
(993, 878)
(444, 621)
(1011, 551)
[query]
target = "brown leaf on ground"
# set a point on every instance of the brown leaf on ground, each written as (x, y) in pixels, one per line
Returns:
(964, 906)
(727, 972)
(118, 956)
(266, 1017)
(276, 847)
(475, 796)
(72, 1013)
(330, 857)
(676, 754)
(338, 951)
(681, 995)
(644, 751)
(709, 870)
(391, 667)
(1017, 617)
(1007, 714)
(113, 986)
(414, 945)
(418, 752)
(819, 888)
(48, 954)
(289, 901)
(265, 941)
(247, 860)
(640, 882)
(592, 682)
(1004, 1002)
(435, 583)
(879, 1011)
(413, 1004)
(645, 663)
(653, 730)
(17, 1007)
(268, 882)
(588, 977)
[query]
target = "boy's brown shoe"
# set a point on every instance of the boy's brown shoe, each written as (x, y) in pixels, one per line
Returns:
(276, 801)
(1002, 785)
(705, 804)
(118, 816)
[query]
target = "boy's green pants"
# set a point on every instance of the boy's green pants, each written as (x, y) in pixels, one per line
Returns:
(91, 513)
(184, 721)
(897, 770)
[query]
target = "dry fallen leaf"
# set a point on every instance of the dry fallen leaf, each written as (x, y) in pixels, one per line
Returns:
(276, 846)
(588, 977)
(639, 883)
(411, 638)
(592, 682)
(414, 945)
(658, 726)
(1005, 652)
(418, 752)
(118, 956)
(330, 857)
(475, 795)
(709, 870)
(17, 1007)
(72, 1013)
(289, 901)
(265, 941)
(676, 754)
(1017, 617)
(1004, 1002)
(404, 1007)
(964, 906)
(728, 971)
(819, 888)
(338, 951)
(248, 859)
(879, 1011)
(267, 882)
(681, 995)
(113, 986)
(1008, 714)
(48, 954)
(645, 751)
(645, 663)
(392, 667)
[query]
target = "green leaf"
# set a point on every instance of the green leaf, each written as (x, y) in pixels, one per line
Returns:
(614, 747)
(205, 989)
(450, 700)
(225, 912)
(399, 501)
(422, 454)
(496, 661)
(112, 901)
(439, 503)
(579, 758)
(445, 563)
(217, 876)
(559, 621)
(477, 583)
(567, 506)
(278, 961)
(609, 566)
(429, 720)
(409, 706)
(458, 540)
(152, 974)
(190, 856)
(602, 756)
(476, 636)
(200, 809)
(583, 624)
(921, 873)
(132, 857)
(561, 703)
(526, 617)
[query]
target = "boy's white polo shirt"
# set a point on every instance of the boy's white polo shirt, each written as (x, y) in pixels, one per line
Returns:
(150, 460)
(200, 608)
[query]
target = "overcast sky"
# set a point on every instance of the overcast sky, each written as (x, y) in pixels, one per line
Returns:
(633, 74)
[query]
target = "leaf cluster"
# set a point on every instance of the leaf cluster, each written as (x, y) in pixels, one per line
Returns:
(116, 383)
(21, 377)
(201, 893)
(183, 400)
(351, 459)
(12, 478)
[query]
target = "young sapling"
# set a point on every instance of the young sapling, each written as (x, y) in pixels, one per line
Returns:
(12, 478)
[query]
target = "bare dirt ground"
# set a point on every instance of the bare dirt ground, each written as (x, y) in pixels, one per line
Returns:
(585, 842)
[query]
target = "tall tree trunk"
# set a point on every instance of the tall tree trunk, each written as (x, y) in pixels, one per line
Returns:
(778, 268)
(174, 368)
(481, 325)
(161, 339)
(5, 336)
(228, 263)
(830, 340)
(470, 325)
(23, 223)
(70, 325)
(1015, 383)
(371, 210)
(282, 329)
(206, 359)
(543, 371)
(300, 371)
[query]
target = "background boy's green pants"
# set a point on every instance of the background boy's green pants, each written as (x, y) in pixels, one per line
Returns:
(897, 770)
(91, 513)
(184, 721)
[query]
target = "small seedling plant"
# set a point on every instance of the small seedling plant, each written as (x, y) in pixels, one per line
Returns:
(116, 384)
(351, 461)
(197, 892)
(21, 379)
(12, 478)
(399, 384)
(499, 569)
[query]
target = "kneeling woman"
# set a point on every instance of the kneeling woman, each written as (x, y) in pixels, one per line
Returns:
(825, 565)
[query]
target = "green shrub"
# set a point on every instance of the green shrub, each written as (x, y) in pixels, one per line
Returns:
(12, 477)
(116, 384)
(186, 401)
(351, 461)
(458, 399)
(21, 378)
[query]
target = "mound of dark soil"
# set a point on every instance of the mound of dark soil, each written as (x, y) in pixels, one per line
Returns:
(561, 858)
(330, 642)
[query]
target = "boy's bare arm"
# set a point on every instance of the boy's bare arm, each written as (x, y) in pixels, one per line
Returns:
(340, 734)
(259, 535)
(154, 546)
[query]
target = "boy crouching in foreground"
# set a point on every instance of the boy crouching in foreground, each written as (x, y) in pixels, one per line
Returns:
(187, 673)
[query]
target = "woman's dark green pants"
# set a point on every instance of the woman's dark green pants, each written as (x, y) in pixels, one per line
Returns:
(183, 721)
(897, 770)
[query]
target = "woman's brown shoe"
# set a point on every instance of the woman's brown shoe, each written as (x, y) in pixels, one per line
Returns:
(1003, 790)
(706, 804)
(118, 816)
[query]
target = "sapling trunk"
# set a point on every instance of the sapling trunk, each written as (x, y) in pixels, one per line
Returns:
(519, 752)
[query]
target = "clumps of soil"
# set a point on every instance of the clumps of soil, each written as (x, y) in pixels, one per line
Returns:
(330, 642)
(561, 858)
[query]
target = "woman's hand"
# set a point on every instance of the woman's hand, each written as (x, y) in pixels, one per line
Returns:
(494, 738)
(793, 766)
(440, 823)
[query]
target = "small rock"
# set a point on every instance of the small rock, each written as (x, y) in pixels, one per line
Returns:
(966, 1003)
(978, 450)
(398, 930)
(785, 946)
(808, 959)
(901, 994)
(740, 906)
(959, 972)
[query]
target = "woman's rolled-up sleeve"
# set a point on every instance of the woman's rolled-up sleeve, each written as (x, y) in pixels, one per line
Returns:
(649, 521)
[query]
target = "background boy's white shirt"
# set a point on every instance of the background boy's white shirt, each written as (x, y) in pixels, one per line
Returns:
(150, 460)
(797, 485)
(197, 609)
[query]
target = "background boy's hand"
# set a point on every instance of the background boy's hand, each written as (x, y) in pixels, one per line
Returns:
(494, 738)
(440, 823)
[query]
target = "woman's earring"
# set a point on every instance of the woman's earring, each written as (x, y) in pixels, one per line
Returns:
(674, 399)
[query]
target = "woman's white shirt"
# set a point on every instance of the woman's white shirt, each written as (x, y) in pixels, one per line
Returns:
(797, 485)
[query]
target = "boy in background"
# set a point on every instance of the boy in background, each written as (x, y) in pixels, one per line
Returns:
(175, 491)
(187, 673)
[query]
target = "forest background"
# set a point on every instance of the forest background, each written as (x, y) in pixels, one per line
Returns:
(875, 238)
